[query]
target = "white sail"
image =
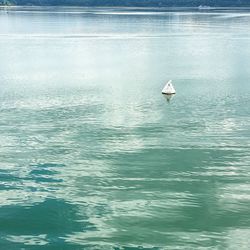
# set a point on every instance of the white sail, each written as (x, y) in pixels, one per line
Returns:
(168, 89)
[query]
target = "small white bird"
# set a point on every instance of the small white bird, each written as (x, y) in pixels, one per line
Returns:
(169, 88)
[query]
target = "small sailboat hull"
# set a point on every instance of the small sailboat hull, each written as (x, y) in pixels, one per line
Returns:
(168, 89)
(167, 93)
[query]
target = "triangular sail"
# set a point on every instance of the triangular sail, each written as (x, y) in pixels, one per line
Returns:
(169, 88)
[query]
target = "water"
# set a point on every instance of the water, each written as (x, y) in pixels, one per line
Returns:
(92, 156)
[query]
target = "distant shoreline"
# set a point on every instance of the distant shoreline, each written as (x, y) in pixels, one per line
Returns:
(202, 4)
(247, 8)
(126, 6)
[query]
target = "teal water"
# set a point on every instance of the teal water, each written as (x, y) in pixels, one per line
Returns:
(92, 156)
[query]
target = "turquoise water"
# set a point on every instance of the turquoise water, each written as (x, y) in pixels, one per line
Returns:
(92, 156)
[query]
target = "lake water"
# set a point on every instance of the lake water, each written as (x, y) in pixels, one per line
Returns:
(92, 156)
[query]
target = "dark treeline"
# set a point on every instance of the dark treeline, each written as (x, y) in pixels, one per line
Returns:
(142, 3)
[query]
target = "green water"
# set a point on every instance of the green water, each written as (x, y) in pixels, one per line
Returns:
(92, 156)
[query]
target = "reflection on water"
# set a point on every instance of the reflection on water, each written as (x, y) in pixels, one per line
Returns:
(168, 97)
(91, 157)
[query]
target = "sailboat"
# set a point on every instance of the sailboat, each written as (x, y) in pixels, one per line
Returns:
(168, 89)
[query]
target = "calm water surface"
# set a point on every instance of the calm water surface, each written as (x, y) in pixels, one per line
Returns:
(92, 156)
